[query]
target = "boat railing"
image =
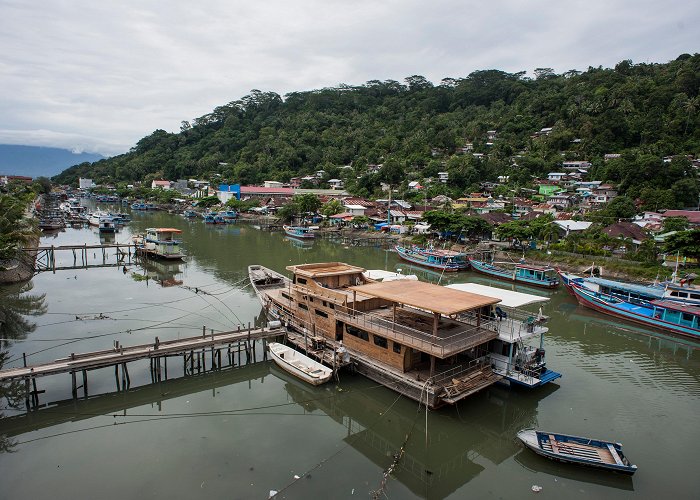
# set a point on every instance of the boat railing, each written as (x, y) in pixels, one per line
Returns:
(445, 378)
(438, 345)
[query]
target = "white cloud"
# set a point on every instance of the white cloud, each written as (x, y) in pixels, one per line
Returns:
(98, 76)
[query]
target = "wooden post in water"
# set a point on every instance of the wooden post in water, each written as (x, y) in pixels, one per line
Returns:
(85, 384)
(74, 387)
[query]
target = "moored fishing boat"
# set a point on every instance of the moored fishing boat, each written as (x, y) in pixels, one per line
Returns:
(428, 342)
(443, 260)
(299, 365)
(674, 317)
(301, 232)
(160, 242)
(106, 224)
(684, 291)
(190, 214)
(544, 277)
(578, 450)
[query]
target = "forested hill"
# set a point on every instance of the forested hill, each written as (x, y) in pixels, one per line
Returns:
(643, 111)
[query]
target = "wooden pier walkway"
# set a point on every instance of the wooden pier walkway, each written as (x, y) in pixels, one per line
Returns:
(84, 256)
(193, 350)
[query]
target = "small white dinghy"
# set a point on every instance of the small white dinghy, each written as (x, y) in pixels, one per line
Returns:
(299, 365)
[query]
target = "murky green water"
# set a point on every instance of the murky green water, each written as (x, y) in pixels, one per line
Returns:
(242, 432)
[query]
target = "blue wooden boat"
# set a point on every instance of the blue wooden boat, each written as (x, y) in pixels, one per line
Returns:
(139, 206)
(190, 214)
(578, 450)
(674, 317)
(301, 232)
(544, 277)
(229, 216)
(443, 260)
(209, 219)
(665, 290)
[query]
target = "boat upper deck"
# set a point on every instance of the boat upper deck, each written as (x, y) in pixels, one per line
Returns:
(434, 298)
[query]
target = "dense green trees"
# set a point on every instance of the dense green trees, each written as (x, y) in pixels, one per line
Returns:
(16, 228)
(643, 111)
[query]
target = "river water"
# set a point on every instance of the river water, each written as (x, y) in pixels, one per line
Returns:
(244, 431)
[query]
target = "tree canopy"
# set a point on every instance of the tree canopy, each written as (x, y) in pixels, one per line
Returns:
(645, 112)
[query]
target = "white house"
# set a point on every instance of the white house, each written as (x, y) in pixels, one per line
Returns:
(555, 176)
(85, 183)
(443, 177)
(160, 184)
(355, 210)
(273, 184)
(335, 183)
(570, 226)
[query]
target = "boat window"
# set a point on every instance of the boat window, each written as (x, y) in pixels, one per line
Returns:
(356, 332)
(695, 296)
(688, 317)
(301, 281)
(331, 305)
(397, 347)
(286, 296)
(321, 313)
(303, 306)
(380, 341)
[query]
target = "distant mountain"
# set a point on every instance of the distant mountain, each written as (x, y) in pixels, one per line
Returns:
(36, 161)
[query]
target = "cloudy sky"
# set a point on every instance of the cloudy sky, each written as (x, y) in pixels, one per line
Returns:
(98, 75)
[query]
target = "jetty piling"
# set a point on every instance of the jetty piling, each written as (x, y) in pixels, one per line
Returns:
(156, 352)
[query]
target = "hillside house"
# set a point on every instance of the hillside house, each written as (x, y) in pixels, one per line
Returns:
(555, 176)
(160, 184)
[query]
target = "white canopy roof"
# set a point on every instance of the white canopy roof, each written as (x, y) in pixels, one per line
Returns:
(381, 275)
(508, 298)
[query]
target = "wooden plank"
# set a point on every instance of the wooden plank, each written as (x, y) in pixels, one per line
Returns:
(614, 454)
(553, 444)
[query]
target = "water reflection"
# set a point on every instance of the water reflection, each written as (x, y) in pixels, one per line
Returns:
(16, 303)
(458, 440)
(163, 272)
(542, 465)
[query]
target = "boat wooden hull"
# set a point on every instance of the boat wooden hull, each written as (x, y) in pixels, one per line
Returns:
(576, 450)
(509, 276)
(431, 265)
(299, 365)
(589, 300)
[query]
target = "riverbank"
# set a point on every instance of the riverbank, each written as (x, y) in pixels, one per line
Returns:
(21, 267)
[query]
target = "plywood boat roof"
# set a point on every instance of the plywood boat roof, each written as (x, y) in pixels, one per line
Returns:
(322, 269)
(433, 298)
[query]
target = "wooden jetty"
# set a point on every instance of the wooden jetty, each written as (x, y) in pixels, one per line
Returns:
(194, 352)
(84, 256)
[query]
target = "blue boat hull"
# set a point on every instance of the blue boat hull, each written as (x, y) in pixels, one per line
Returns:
(638, 313)
(578, 450)
(432, 265)
(508, 275)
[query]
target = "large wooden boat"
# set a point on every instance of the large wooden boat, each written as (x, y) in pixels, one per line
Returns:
(674, 317)
(301, 232)
(665, 290)
(160, 242)
(578, 450)
(544, 277)
(425, 341)
(443, 260)
(299, 365)
(510, 355)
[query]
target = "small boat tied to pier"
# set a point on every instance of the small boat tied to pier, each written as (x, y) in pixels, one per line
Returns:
(427, 342)
(159, 242)
(299, 365)
(578, 450)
